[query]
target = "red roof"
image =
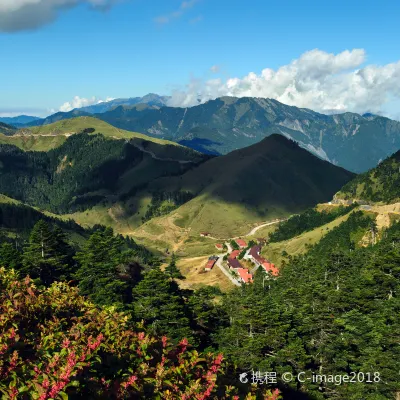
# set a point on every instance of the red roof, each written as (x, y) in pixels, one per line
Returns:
(234, 254)
(210, 264)
(271, 268)
(241, 243)
(219, 246)
(245, 275)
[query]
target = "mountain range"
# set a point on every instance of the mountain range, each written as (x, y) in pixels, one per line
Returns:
(352, 141)
(19, 121)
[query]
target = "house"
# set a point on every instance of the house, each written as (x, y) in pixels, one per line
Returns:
(270, 268)
(210, 263)
(234, 254)
(254, 254)
(234, 263)
(219, 246)
(204, 234)
(241, 243)
(245, 275)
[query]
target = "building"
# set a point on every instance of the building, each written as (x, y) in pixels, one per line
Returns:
(210, 263)
(234, 263)
(254, 255)
(241, 243)
(219, 246)
(270, 268)
(204, 234)
(245, 275)
(234, 254)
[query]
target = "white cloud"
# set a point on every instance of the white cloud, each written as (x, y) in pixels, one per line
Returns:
(17, 15)
(215, 69)
(78, 102)
(185, 5)
(318, 80)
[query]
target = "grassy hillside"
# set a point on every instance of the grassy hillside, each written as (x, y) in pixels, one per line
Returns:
(76, 125)
(33, 143)
(381, 184)
(272, 179)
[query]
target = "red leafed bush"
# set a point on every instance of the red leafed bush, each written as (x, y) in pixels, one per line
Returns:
(55, 344)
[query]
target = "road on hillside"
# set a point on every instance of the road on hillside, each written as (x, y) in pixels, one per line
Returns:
(252, 232)
(224, 270)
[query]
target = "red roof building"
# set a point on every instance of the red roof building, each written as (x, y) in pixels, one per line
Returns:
(241, 243)
(254, 253)
(219, 246)
(245, 275)
(270, 268)
(210, 263)
(234, 254)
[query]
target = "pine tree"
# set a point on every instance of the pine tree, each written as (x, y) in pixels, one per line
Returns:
(47, 255)
(172, 270)
(158, 301)
(101, 262)
(10, 257)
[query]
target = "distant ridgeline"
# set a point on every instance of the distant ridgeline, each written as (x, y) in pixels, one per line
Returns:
(381, 184)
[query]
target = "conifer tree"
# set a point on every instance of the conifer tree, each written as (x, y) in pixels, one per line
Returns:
(47, 255)
(158, 301)
(99, 273)
(172, 270)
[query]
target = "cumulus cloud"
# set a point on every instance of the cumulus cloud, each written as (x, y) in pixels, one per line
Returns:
(185, 5)
(78, 102)
(17, 15)
(318, 80)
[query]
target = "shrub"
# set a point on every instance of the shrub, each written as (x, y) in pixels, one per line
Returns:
(55, 344)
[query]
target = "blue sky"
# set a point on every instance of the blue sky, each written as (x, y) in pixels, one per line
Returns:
(141, 46)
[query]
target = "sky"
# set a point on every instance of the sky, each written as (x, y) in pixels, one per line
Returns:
(330, 56)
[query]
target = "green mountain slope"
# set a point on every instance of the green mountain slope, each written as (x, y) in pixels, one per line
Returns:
(272, 179)
(6, 129)
(381, 184)
(87, 170)
(47, 137)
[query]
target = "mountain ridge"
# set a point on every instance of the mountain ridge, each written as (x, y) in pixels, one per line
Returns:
(219, 126)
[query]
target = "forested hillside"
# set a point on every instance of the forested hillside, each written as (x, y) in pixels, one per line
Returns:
(332, 311)
(381, 184)
(86, 170)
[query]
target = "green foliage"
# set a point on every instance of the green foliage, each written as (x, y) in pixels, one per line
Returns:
(382, 183)
(306, 221)
(158, 301)
(107, 271)
(163, 203)
(47, 255)
(234, 245)
(172, 270)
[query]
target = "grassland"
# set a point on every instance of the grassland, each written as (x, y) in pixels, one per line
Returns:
(33, 143)
(75, 125)
(298, 245)
(193, 269)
